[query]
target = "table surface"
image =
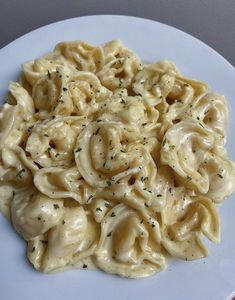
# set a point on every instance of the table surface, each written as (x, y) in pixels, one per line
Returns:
(212, 21)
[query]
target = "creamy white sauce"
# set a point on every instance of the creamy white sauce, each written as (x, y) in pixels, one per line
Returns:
(110, 163)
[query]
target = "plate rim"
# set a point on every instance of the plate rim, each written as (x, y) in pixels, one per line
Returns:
(27, 34)
(187, 35)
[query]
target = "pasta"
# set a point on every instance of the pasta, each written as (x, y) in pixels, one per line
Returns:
(111, 163)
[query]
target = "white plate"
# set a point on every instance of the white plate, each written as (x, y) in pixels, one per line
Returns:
(210, 278)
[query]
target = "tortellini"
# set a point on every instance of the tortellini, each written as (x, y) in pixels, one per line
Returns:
(111, 163)
(127, 245)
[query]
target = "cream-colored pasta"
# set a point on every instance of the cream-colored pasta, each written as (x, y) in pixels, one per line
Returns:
(111, 163)
(122, 230)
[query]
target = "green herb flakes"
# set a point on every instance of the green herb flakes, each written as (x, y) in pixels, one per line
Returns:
(19, 174)
(164, 143)
(30, 128)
